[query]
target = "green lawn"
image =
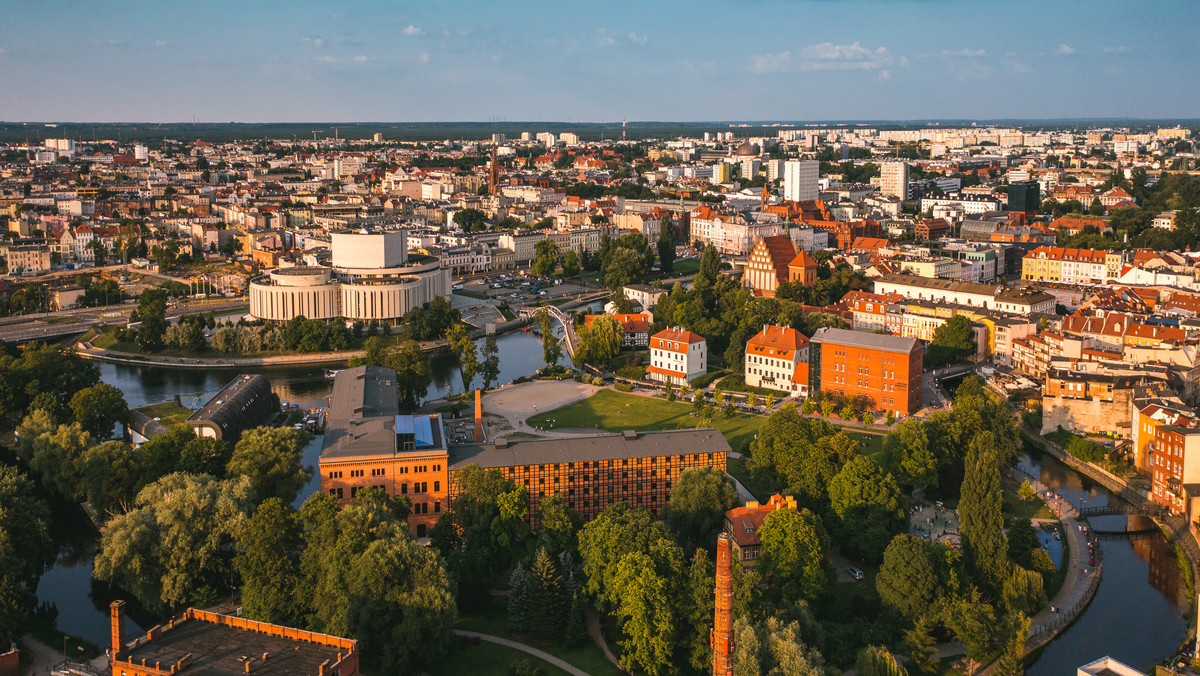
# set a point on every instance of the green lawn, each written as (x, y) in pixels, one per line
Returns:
(873, 444)
(61, 319)
(169, 413)
(494, 621)
(1014, 506)
(614, 412)
(489, 659)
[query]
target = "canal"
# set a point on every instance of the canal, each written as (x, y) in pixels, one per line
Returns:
(1136, 615)
(82, 602)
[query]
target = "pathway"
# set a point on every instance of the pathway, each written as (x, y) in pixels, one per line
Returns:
(597, 634)
(541, 655)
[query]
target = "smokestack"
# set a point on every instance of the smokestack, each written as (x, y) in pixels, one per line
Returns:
(722, 633)
(478, 418)
(116, 610)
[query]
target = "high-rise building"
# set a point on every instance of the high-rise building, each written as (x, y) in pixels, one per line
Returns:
(800, 180)
(893, 179)
(499, 139)
(1024, 196)
(569, 138)
(141, 153)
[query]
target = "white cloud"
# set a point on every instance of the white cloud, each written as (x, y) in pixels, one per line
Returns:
(964, 52)
(160, 43)
(325, 58)
(637, 39)
(1120, 49)
(423, 58)
(828, 56)
(1065, 49)
(314, 42)
(361, 58)
(412, 31)
(604, 39)
(885, 74)
(771, 63)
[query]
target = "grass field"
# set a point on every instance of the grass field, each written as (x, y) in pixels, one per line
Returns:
(489, 659)
(614, 412)
(494, 621)
(61, 319)
(168, 413)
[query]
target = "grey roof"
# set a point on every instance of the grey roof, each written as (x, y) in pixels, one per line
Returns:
(242, 404)
(942, 284)
(583, 449)
(363, 413)
(876, 341)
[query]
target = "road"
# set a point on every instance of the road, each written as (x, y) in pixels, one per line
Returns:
(31, 327)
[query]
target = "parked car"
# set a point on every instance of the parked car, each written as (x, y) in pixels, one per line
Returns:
(855, 573)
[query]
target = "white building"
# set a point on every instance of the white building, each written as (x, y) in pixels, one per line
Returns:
(893, 179)
(677, 356)
(777, 359)
(800, 180)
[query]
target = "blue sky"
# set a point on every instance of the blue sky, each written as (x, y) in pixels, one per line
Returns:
(298, 60)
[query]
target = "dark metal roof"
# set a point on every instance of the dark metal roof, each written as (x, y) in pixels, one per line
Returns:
(364, 416)
(244, 403)
(583, 449)
(876, 341)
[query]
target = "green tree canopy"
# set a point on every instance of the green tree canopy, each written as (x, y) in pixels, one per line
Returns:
(109, 477)
(793, 551)
(979, 511)
(25, 550)
(867, 503)
(98, 409)
(267, 562)
(697, 506)
(907, 580)
(271, 457)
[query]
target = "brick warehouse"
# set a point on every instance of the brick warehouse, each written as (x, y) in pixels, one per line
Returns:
(368, 443)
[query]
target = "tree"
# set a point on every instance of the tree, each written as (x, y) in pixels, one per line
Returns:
(793, 550)
(401, 605)
(25, 550)
(109, 477)
(908, 453)
(99, 253)
(972, 620)
(875, 660)
(775, 646)
(166, 254)
(867, 502)
(55, 457)
(267, 561)
(167, 551)
(204, 455)
(601, 341)
(558, 526)
(1016, 633)
(697, 506)
(464, 348)
(922, 648)
(551, 351)
(518, 600)
(160, 455)
(1022, 541)
(152, 311)
(907, 580)
(647, 615)
(413, 374)
(616, 533)
(666, 245)
(545, 258)
(980, 520)
(570, 264)
(489, 369)
(1026, 492)
(484, 530)
(1097, 208)
(98, 409)
(624, 267)
(470, 220)
(547, 597)
(953, 342)
(271, 457)
(1023, 591)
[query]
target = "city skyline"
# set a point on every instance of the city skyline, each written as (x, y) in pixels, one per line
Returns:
(769, 60)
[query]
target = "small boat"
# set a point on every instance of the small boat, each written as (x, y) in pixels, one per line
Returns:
(330, 374)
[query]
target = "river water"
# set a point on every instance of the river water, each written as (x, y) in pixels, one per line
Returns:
(1136, 614)
(82, 602)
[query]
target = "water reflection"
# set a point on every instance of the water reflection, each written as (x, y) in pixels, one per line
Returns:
(1136, 615)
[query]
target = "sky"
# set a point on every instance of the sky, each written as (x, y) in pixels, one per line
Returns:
(573, 60)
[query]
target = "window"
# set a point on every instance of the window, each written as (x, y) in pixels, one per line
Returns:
(437, 486)
(404, 489)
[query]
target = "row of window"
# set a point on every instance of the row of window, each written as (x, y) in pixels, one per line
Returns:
(382, 471)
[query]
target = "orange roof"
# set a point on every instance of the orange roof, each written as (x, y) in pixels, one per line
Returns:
(802, 260)
(666, 337)
(630, 323)
(780, 342)
(747, 521)
(666, 372)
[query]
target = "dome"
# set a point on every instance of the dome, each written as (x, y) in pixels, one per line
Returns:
(747, 149)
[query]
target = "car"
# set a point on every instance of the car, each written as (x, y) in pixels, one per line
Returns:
(855, 573)
(497, 286)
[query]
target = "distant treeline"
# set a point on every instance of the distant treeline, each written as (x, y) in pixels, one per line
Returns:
(17, 132)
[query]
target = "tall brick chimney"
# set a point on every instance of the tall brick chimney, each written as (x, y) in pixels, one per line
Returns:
(722, 632)
(116, 610)
(478, 418)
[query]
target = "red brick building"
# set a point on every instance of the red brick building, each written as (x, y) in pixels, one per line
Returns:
(887, 370)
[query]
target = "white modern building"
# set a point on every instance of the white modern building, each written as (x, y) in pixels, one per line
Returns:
(800, 180)
(373, 276)
(893, 179)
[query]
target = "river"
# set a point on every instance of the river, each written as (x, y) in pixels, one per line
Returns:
(1136, 614)
(82, 602)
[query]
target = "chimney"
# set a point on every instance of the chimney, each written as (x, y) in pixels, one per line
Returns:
(722, 633)
(478, 417)
(116, 610)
